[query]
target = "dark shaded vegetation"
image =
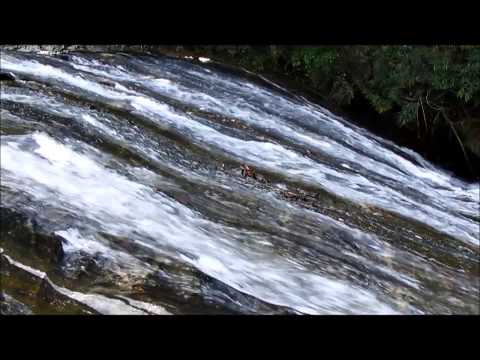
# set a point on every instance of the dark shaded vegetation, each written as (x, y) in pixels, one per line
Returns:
(424, 97)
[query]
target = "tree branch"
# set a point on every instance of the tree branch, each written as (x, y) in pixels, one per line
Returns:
(459, 140)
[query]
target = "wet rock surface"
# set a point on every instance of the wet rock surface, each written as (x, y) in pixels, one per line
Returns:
(20, 231)
(7, 76)
(10, 306)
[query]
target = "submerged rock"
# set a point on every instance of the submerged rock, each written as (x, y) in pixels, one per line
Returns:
(7, 76)
(193, 291)
(107, 83)
(219, 294)
(64, 57)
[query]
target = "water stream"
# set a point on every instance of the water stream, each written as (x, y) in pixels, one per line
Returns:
(132, 164)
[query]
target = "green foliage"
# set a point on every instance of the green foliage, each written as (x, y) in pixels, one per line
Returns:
(342, 91)
(408, 113)
(404, 79)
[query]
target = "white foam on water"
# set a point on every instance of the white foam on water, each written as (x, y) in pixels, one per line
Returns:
(231, 104)
(74, 241)
(49, 72)
(126, 208)
(236, 96)
(280, 159)
(92, 121)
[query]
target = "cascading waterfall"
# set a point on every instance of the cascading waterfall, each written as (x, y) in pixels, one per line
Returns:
(132, 163)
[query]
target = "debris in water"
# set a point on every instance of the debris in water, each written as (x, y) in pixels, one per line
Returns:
(290, 195)
(248, 171)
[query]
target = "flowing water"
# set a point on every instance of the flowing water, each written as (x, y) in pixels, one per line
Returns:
(130, 166)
